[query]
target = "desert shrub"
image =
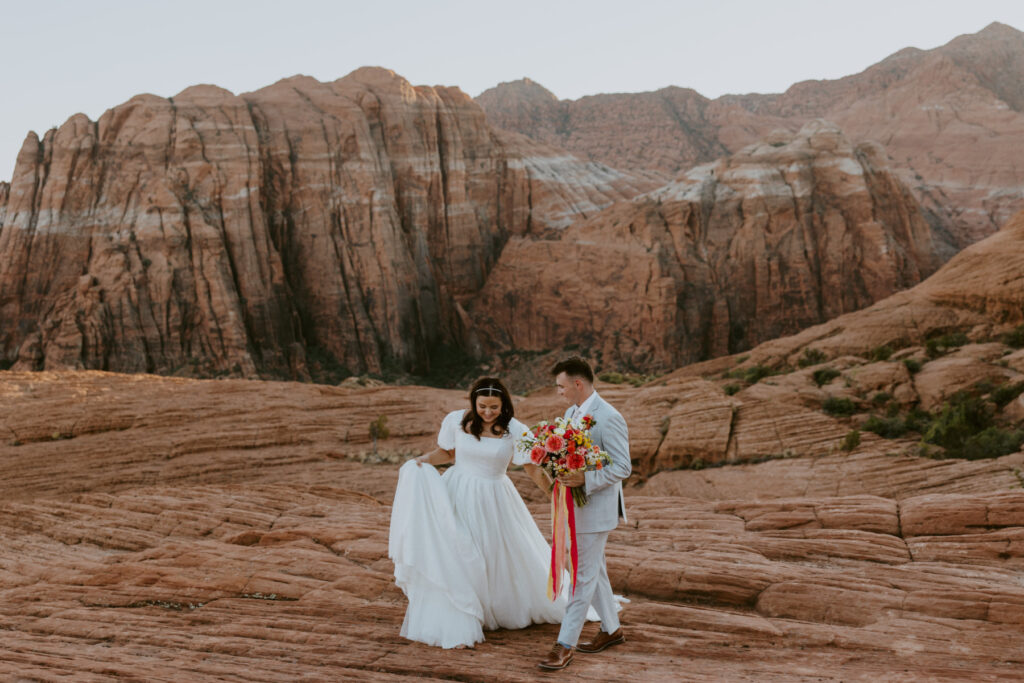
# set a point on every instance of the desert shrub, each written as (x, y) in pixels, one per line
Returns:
(731, 389)
(1005, 393)
(824, 376)
(811, 357)
(992, 442)
(851, 440)
(756, 373)
(836, 406)
(913, 365)
(918, 420)
(962, 417)
(937, 346)
(880, 353)
(886, 427)
(379, 429)
(751, 375)
(985, 386)
(1014, 337)
(612, 377)
(881, 398)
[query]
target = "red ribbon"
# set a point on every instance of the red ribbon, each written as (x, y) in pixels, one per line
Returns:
(563, 514)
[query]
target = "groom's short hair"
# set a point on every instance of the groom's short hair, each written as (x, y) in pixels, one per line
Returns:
(574, 366)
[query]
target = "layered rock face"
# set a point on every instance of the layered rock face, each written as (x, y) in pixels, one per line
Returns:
(953, 118)
(665, 131)
(241, 233)
(790, 232)
(5, 193)
(245, 537)
(979, 292)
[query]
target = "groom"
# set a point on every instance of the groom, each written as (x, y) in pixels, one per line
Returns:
(575, 380)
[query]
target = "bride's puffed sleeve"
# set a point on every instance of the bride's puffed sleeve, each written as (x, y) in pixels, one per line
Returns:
(520, 454)
(449, 428)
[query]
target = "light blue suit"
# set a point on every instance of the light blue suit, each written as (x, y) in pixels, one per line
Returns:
(595, 520)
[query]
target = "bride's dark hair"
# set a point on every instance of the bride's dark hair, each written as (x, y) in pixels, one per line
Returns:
(488, 386)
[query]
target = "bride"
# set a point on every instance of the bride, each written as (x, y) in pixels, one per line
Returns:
(467, 553)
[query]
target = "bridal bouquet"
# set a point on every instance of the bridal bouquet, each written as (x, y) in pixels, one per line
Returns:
(560, 447)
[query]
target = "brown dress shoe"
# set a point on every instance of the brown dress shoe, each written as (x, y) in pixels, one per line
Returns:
(602, 641)
(558, 658)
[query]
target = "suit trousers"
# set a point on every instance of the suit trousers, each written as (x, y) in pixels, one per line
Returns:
(592, 588)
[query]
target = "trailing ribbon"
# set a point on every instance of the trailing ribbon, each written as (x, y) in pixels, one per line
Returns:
(563, 537)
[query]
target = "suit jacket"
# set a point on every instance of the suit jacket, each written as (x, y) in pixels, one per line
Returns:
(604, 486)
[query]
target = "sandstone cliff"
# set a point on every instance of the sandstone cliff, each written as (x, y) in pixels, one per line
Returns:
(666, 131)
(979, 292)
(789, 232)
(953, 117)
(210, 232)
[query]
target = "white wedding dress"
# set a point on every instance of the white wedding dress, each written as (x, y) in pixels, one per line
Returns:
(468, 554)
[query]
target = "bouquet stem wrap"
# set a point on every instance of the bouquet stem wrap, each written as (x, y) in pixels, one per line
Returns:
(563, 537)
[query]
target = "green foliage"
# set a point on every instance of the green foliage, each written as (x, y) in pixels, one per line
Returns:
(886, 427)
(379, 428)
(731, 389)
(751, 375)
(839, 407)
(623, 378)
(851, 440)
(962, 417)
(993, 442)
(824, 376)
(1005, 393)
(918, 420)
(913, 365)
(880, 353)
(1014, 337)
(938, 346)
(881, 398)
(756, 373)
(811, 357)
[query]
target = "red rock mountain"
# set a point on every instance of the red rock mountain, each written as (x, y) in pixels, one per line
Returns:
(239, 234)
(785, 234)
(952, 117)
(5, 193)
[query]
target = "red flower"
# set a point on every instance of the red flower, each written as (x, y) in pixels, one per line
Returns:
(576, 461)
(554, 443)
(538, 454)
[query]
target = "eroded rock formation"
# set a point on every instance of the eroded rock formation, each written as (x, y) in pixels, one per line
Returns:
(791, 231)
(242, 234)
(166, 528)
(953, 117)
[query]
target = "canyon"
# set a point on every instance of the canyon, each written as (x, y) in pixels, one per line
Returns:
(341, 224)
(167, 528)
(366, 226)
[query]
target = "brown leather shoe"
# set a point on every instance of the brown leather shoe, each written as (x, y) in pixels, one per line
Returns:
(558, 658)
(602, 641)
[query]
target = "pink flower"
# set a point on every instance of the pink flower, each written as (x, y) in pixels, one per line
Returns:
(554, 444)
(576, 461)
(538, 454)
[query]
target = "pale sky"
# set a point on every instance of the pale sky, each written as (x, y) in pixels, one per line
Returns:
(63, 57)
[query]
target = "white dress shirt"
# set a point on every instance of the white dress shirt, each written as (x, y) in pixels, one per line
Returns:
(581, 410)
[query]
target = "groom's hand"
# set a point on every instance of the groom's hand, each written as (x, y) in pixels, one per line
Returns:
(573, 479)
